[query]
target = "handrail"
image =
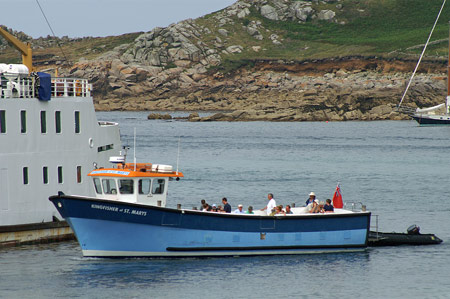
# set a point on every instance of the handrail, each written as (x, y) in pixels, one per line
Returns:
(374, 226)
(354, 206)
(16, 87)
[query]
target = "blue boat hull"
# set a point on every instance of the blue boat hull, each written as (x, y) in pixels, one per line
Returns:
(111, 229)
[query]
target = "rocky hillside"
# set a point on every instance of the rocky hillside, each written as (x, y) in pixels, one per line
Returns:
(276, 60)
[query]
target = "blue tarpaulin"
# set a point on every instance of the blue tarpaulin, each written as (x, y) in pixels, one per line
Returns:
(45, 86)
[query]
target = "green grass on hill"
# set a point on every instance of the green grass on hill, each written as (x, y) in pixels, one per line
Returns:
(383, 25)
(370, 27)
(366, 27)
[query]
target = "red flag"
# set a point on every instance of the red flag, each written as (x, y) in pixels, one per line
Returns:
(337, 198)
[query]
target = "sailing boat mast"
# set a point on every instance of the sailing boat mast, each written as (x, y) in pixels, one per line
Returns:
(420, 59)
(447, 102)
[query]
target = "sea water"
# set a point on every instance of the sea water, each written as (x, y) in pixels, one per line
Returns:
(400, 171)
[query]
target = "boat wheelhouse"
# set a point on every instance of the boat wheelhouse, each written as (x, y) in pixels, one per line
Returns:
(129, 218)
(140, 183)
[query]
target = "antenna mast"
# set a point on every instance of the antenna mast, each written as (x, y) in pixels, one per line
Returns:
(178, 154)
(134, 149)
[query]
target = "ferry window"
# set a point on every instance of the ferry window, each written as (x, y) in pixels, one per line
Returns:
(158, 186)
(2, 121)
(45, 174)
(58, 121)
(109, 186)
(60, 175)
(98, 186)
(105, 148)
(43, 122)
(23, 121)
(126, 186)
(77, 121)
(25, 175)
(78, 174)
(144, 186)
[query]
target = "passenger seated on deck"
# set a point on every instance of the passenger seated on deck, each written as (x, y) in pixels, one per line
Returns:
(206, 208)
(328, 207)
(313, 207)
(278, 211)
(288, 209)
(214, 208)
(239, 210)
(312, 197)
(250, 210)
(220, 209)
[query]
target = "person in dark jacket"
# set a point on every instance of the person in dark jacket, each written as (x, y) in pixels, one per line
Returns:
(226, 205)
(328, 207)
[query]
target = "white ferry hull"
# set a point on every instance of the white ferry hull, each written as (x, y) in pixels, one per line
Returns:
(46, 147)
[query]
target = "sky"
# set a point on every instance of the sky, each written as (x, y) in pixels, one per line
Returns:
(79, 18)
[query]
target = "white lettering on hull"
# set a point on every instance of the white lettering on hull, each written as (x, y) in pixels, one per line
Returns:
(117, 210)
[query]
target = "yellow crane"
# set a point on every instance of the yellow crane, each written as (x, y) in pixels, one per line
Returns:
(25, 49)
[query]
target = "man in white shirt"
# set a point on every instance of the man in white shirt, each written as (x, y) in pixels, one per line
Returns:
(239, 210)
(270, 205)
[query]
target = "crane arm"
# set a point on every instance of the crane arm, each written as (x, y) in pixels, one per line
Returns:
(25, 49)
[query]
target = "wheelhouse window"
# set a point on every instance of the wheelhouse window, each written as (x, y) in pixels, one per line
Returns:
(58, 122)
(158, 186)
(43, 122)
(25, 175)
(144, 186)
(2, 121)
(79, 174)
(77, 122)
(98, 186)
(109, 186)
(126, 186)
(45, 174)
(60, 175)
(23, 121)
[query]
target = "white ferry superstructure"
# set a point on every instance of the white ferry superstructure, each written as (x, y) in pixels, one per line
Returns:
(46, 146)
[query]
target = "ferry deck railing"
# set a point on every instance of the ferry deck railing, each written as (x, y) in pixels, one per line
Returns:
(17, 87)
